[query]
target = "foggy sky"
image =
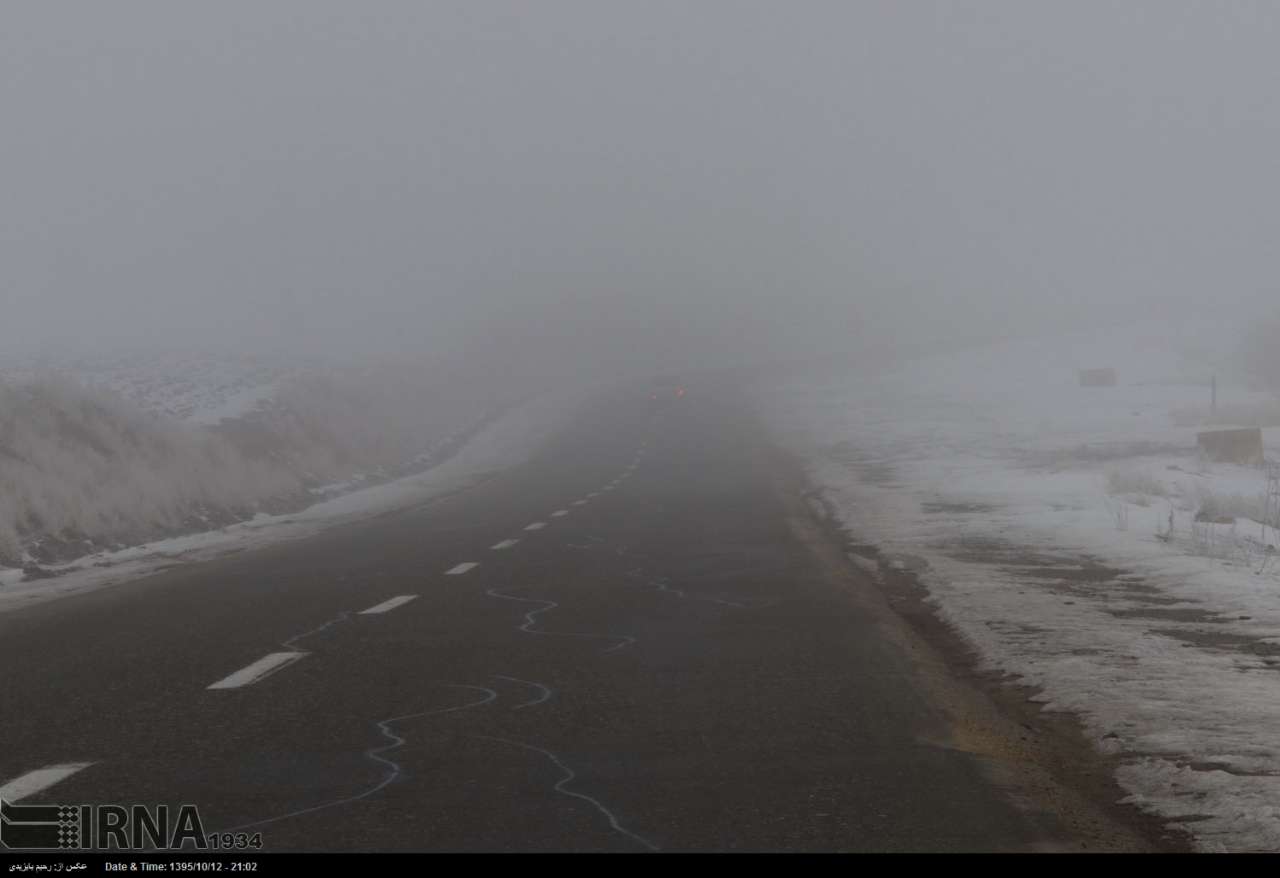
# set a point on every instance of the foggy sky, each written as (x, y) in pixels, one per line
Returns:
(639, 181)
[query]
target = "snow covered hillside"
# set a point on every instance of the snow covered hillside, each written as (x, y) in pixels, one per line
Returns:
(199, 388)
(464, 458)
(1075, 536)
(97, 455)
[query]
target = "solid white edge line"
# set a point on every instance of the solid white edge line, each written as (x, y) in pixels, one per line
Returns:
(459, 569)
(388, 605)
(42, 778)
(258, 671)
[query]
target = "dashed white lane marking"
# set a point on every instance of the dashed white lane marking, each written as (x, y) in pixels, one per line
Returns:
(462, 568)
(593, 494)
(259, 670)
(34, 781)
(292, 641)
(560, 513)
(578, 503)
(537, 525)
(608, 487)
(389, 605)
(505, 544)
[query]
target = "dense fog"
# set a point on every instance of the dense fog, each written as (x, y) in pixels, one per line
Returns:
(585, 186)
(857, 422)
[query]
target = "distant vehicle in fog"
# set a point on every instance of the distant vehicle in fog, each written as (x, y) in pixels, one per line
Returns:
(665, 388)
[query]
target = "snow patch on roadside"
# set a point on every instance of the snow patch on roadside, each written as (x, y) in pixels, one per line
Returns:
(995, 468)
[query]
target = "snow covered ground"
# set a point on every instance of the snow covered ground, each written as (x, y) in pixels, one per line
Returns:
(109, 456)
(1056, 528)
(193, 387)
(506, 441)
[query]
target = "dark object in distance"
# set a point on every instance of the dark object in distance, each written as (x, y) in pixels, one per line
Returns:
(1232, 446)
(1097, 377)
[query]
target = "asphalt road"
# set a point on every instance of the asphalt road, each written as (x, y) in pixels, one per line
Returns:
(665, 665)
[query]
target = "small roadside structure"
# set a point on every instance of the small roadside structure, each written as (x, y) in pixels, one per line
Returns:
(1097, 377)
(1232, 446)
